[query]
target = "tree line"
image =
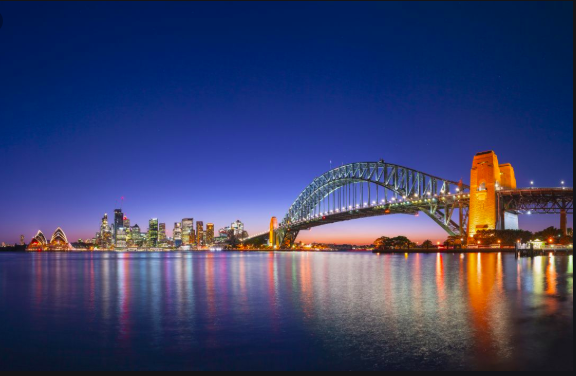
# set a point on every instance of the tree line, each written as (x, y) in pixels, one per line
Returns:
(488, 237)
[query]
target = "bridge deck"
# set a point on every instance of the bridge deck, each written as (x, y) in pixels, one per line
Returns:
(539, 200)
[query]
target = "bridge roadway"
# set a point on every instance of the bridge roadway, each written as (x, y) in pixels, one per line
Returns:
(538, 200)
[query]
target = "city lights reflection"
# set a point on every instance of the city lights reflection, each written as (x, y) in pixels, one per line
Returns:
(464, 307)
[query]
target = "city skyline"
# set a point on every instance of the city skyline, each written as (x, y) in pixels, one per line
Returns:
(235, 123)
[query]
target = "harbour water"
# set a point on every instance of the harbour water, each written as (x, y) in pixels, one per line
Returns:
(285, 311)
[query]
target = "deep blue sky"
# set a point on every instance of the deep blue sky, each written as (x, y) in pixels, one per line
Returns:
(227, 111)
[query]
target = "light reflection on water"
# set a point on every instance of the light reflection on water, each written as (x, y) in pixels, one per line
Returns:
(284, 311)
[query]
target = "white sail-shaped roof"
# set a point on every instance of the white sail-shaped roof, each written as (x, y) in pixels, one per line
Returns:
(59, 235)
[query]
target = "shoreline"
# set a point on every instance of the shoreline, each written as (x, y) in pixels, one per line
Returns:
(387, 252)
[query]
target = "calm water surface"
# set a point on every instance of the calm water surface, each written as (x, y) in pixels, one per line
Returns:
(302, 311)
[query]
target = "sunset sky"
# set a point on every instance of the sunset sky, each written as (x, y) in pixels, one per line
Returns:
(228, 112)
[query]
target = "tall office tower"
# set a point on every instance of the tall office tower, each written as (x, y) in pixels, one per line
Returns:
(200, 233)
(187, 231)
(177, 234)
(129, 238)
(118, 221)
(126, 225)
(162, 238)
(210, 233)
(135, 235)
(120, 238)
(22, 240)
(238, 228)
(105, 238)
(153, 232)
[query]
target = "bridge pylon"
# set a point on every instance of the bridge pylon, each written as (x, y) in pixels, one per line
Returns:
(273, 242)
(488, 177)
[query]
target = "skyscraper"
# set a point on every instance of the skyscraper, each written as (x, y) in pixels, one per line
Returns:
(200, 233)
(104, 238)
(238, 228)
(120, 238)
(210, 233)
(188, 231)
(118, 221)
(153, 232)
(22, 240)
(177, 234)
(128, 230)
(136, 236)
(162, 238)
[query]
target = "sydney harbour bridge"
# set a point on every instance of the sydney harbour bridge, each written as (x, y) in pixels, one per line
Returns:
(369, 189)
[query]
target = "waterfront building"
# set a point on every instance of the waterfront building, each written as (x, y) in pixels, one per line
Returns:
(200, 233)
(128, 236)
(238, 228)
(192, 237)
(162, 238)
(104, 238)
(188, 231)
(210, 233)
(38, 242)
(58, 242)
(22, 240)
(121, 238)
(135, 237)
(128, 229)
(118, 221)
(221, 239)
(153, 232)
(177, 234)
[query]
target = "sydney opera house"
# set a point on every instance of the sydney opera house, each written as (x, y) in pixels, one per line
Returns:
(58, 242)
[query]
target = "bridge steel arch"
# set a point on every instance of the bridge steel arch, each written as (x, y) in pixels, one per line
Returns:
(360, 190)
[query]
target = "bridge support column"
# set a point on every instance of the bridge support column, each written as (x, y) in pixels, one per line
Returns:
(461, 220)
(564, 222)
